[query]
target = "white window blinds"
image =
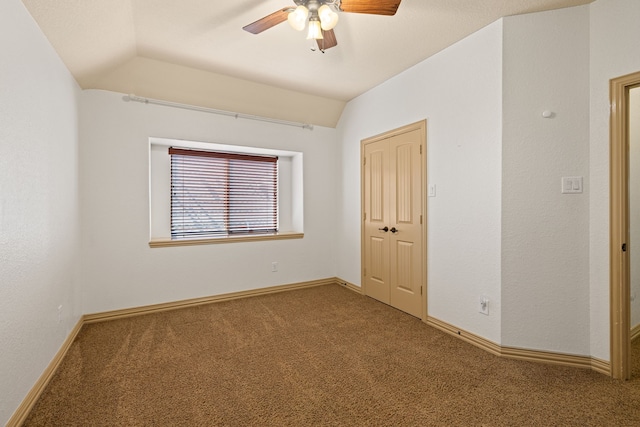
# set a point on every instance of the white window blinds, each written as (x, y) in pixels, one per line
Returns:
(217, 194)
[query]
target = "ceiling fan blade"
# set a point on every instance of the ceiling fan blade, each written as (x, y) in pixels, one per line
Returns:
(268, 21)
(375, 7)
(328, 41)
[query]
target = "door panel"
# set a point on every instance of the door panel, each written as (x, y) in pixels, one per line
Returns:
(379, 255)
(405, 248)
(376, 208)
(403, 262)
(403, 181)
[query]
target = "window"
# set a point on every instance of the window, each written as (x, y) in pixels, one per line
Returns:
(220, 194)
(279, 214)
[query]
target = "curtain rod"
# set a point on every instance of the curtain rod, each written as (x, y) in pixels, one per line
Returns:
(140, 99)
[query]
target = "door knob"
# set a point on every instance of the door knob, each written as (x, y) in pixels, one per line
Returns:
(394, 230)
(385, 229)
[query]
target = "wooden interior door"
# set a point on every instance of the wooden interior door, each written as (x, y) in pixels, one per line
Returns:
(405, 248)
(376, 220)
(393, 247)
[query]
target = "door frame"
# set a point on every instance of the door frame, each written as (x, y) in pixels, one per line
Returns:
(619, 286)
(422, 127)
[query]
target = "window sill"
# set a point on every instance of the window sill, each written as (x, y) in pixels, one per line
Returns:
(163, 243)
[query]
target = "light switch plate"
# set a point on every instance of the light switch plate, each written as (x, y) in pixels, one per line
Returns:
(571, 184)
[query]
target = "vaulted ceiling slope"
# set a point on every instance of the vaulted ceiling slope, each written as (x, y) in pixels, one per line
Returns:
(195, 51)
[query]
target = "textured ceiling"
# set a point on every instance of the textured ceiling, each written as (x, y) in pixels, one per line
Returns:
(162, 48)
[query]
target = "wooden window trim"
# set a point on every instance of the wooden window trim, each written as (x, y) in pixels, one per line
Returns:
(163, 243)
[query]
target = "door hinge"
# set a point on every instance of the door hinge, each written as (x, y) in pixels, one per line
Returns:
(364, 162)
(420, 219)
(365, 272)
(365, 216)
(624, 247)
(420, 290)
(421, 149)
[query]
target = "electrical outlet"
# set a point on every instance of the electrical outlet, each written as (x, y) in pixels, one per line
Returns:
(274, 267)
(484, 306)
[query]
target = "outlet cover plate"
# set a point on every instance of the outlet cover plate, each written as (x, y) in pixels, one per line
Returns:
(484, 306)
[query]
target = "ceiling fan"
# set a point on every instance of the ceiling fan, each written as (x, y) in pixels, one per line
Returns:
(321, 16)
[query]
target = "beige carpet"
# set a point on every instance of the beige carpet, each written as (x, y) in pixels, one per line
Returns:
(323, 356)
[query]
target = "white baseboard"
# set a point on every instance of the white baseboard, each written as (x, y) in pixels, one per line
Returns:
(31, 398)
(575, 361)
(155, 308)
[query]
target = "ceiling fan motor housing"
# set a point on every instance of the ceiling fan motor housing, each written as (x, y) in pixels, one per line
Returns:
(314, 5)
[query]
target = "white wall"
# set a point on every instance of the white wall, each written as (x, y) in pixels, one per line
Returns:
(120, 270)
(634, 202)
(458, 91)
(38, 204)
(615, 37)
(545, 247)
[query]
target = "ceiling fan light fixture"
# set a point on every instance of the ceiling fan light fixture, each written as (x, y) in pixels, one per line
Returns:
(322, 16)
(315, 31)
(298, 18)
(328, 18)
